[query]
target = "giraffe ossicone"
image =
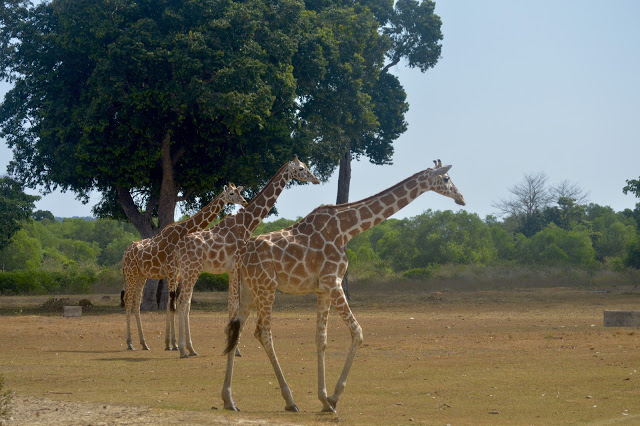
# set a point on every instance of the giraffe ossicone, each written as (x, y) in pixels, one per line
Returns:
(309, 257)
(152, 257)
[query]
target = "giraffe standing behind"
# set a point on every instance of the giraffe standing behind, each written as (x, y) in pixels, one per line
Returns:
(212, 250)
(149, 258)
(309, 257)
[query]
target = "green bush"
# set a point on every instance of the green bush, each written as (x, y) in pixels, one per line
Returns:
(632, 259)
(421, 273)
(213, 282)
(47, 282)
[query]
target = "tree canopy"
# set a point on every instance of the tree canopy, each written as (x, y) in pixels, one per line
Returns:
(633, 186)
(150, 103)
(154, 103)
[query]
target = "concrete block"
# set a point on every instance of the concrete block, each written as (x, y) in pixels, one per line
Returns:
(72, 311)
(622, 318)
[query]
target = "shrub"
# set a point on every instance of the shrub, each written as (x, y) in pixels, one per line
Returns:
(632, 259)
(421, 273)
(44, 282)
(213, 282)
(5, 399)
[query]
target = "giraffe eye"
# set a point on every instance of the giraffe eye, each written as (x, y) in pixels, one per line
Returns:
(301, 168)
(446, 179)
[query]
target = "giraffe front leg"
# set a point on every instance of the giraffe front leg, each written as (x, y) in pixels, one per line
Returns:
(187, 331)
(129, 307)
(324, 304)
(181, 330)
(183, 297)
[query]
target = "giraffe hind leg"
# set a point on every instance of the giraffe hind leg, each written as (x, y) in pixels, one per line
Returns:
(136, 311)
(170, 328)
(263, 334)
(324, 304)
(233, 331)
(342, 306)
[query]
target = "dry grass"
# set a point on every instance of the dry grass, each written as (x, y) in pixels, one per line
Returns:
(502, 357)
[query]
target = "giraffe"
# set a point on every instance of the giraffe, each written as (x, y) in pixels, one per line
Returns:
(148, 258)
(212, 250)
(309, 257)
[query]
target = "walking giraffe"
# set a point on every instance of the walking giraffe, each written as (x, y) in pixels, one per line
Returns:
(149, 258)
(213, 250)
(309, 257)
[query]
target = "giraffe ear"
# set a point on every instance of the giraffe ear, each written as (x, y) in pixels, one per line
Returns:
(441, 170)
(240, 188)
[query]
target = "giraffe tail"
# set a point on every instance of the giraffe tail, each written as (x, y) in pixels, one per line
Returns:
(233, 335)
(122, 298)
(173, 296)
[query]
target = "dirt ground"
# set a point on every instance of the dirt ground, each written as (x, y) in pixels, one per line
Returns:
(511, 357)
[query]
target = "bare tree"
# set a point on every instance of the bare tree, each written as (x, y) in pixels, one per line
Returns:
(568, 189)
(529, 196)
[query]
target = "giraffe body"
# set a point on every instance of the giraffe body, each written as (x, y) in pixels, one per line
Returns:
(213, 250)
(309, 257)
(153, 257)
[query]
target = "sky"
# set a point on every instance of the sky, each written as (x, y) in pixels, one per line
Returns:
(548, 86)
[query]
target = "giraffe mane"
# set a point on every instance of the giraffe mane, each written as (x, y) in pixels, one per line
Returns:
(353, 204)
(266, 186)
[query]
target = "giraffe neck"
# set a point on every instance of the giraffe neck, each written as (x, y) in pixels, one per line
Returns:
(260, 206)
(362, 215)
(204, 217)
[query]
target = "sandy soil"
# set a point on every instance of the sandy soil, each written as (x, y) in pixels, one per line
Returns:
(27, 410)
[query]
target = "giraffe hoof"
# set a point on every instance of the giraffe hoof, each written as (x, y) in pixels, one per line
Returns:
(328, 410)
(130, 348)
(184, 356)
(193, 354)
(146, 348)
(333, 402)
(293, 408)
(232, 408)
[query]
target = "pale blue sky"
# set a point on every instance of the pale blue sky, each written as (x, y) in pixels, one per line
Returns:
(522, 87)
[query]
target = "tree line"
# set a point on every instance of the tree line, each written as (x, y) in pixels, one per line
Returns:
(42, 254)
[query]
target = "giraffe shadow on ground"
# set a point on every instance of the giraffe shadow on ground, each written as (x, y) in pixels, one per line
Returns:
(124, 359)
(84, 351)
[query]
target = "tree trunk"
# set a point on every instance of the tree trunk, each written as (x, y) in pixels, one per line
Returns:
(344, 178)
(155, 294)
(344, 181)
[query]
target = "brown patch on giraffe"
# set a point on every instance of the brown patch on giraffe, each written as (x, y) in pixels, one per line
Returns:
(388, 199)
(365, 213)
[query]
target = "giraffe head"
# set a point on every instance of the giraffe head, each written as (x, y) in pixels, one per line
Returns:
(442, 184)
(298, 170)
(233, 195)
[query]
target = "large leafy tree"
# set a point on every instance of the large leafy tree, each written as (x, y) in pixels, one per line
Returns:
(156, 102)
(356, 107)
(149, 102)
(15, 207)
